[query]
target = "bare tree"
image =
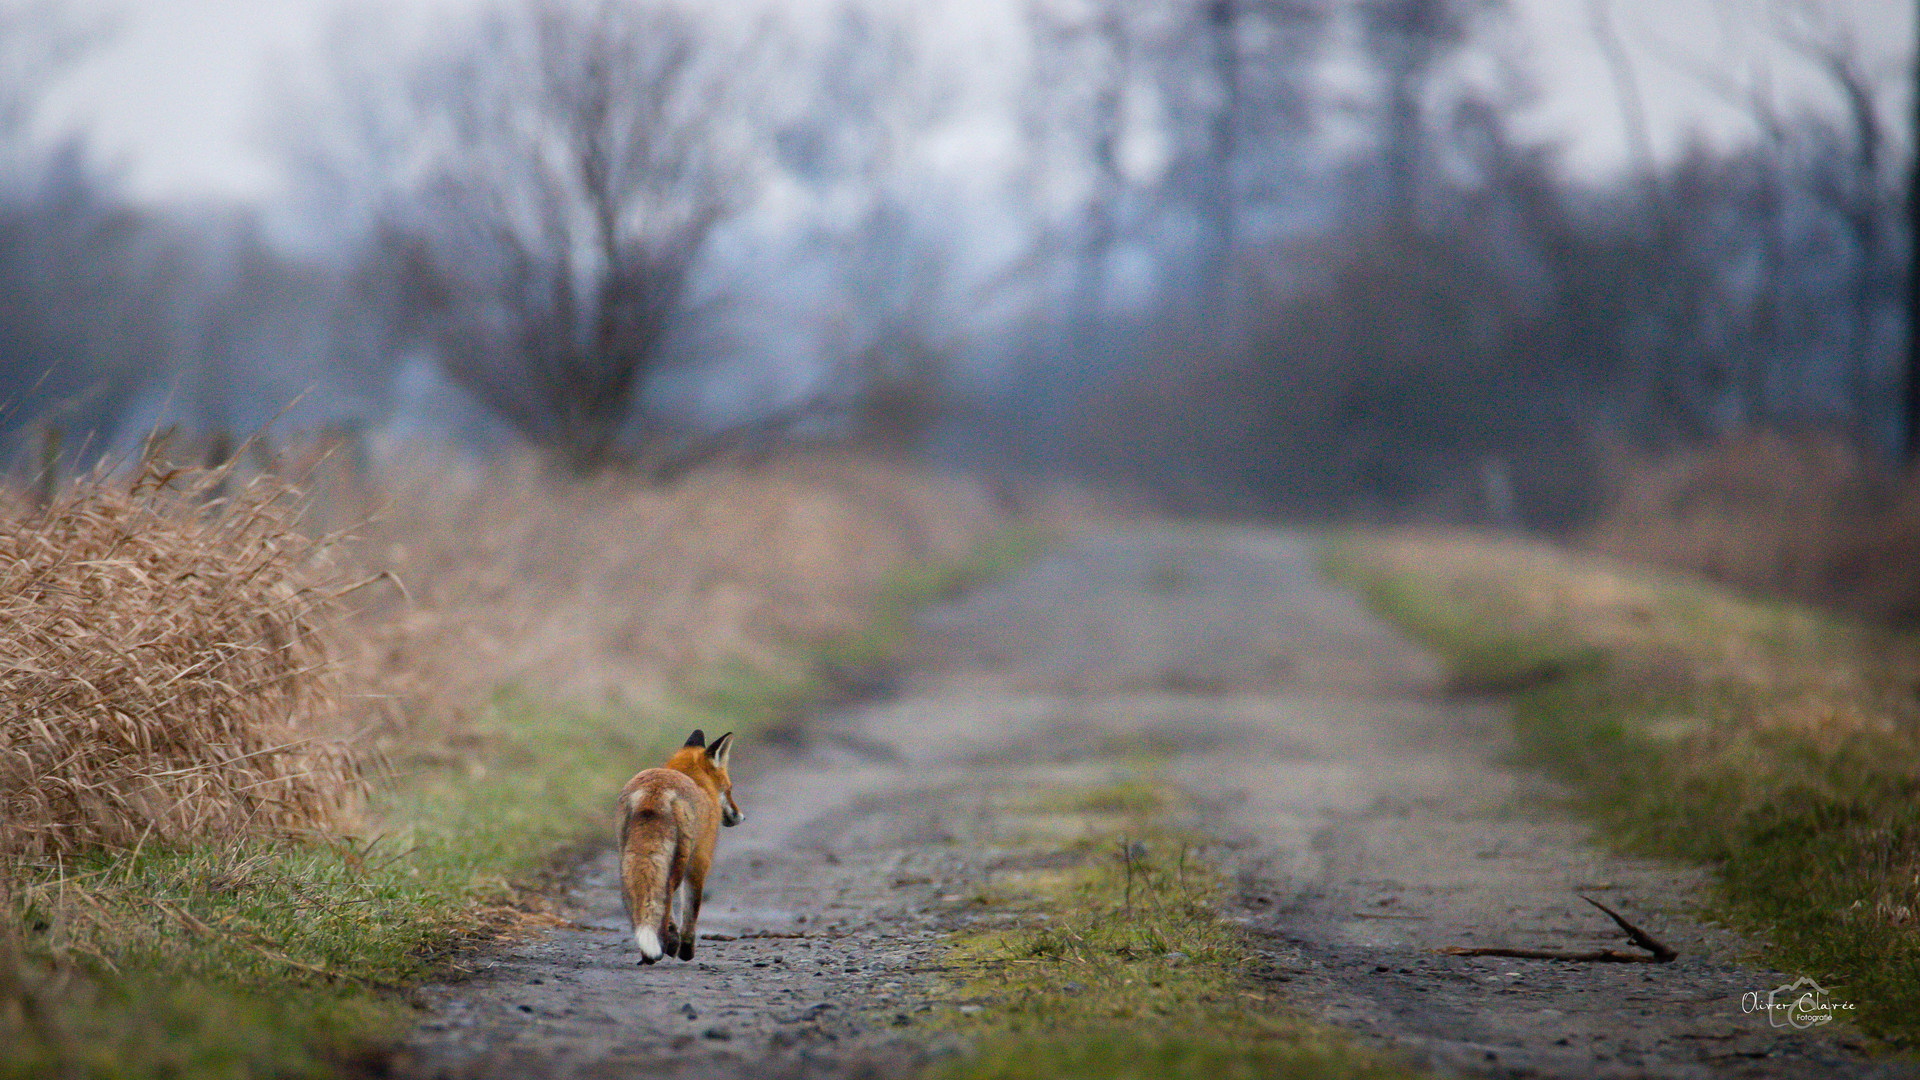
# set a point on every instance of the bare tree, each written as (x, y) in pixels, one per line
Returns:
(549, 186)
(80, 274)
(1182, 116)
(1856, 179)
(1253, 57)
(1911, 446)
(1084, 58)
(1409, 40)
(874, 91)
(1835, 178)
(39, 41)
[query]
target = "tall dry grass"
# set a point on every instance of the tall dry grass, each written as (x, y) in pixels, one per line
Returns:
(615, 589)
(179, 660)
(174, 666)
(1806, 517)
(166, 673)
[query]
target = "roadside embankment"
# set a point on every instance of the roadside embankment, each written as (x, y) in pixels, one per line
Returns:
(320, 768)
(1774, 743)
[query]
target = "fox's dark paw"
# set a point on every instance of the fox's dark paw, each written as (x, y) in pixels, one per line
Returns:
(670, 941)
(686, 947)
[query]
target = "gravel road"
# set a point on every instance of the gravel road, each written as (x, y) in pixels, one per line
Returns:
(1362, 812)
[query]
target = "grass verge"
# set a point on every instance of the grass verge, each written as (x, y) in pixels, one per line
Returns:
(291, 957)
(286, 958)
(1119, 965)
(854, 666)
(1773, 742)
(907, 590)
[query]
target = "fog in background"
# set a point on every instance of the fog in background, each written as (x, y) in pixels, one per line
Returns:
(1383, 258)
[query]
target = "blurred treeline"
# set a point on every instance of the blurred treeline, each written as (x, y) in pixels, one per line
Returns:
(1254, 255)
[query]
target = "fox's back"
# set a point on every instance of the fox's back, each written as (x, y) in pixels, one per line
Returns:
(663, 793)
(670, 797)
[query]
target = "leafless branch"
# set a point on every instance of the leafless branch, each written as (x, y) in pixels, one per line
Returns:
(566, 168)
(1657, 952)
(1633, 109)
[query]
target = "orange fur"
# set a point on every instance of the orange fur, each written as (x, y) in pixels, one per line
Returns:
(670, 820)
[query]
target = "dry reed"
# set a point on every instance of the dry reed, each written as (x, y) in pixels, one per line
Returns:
(164, 671)
(175, 668)
(1807, 517)
(615, 589)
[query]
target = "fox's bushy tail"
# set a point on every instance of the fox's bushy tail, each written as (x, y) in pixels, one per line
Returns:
(649, 849)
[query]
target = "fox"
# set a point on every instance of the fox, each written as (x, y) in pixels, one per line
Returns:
(670, 820)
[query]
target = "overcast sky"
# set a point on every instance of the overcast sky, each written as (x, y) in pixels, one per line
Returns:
(177, 96)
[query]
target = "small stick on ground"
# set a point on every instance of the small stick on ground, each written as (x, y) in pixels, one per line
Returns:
(1661, 951)
(1657, 952)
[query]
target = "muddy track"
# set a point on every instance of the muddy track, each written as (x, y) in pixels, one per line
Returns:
(1360, 810)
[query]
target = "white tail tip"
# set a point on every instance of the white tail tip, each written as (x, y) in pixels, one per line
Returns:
(649, 941)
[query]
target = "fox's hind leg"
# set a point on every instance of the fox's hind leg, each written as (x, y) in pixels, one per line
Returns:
(690, 913)
(672, 941)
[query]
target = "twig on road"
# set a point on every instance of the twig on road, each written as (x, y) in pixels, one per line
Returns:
(1657, 952)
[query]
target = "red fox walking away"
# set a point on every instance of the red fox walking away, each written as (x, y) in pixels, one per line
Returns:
(670, 818)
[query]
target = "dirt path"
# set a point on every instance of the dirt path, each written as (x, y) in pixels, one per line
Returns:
(1361, 811)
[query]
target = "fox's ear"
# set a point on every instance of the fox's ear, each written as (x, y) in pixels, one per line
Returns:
(698, 738)
(721, 747)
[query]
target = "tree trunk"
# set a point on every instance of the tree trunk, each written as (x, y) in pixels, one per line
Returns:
(1912, 447)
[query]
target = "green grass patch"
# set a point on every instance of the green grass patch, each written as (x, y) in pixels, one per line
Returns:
(1456, 617)
(757, 698)
(1133, 797)
(1123, 967)
(999, 554)
(908, 589)
(285, 958)
(849, 667)
(1789, 768)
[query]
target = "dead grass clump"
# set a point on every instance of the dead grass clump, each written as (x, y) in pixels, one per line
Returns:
(1804, 517)
(1794, 669)
(163, 674)
(618, 589)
